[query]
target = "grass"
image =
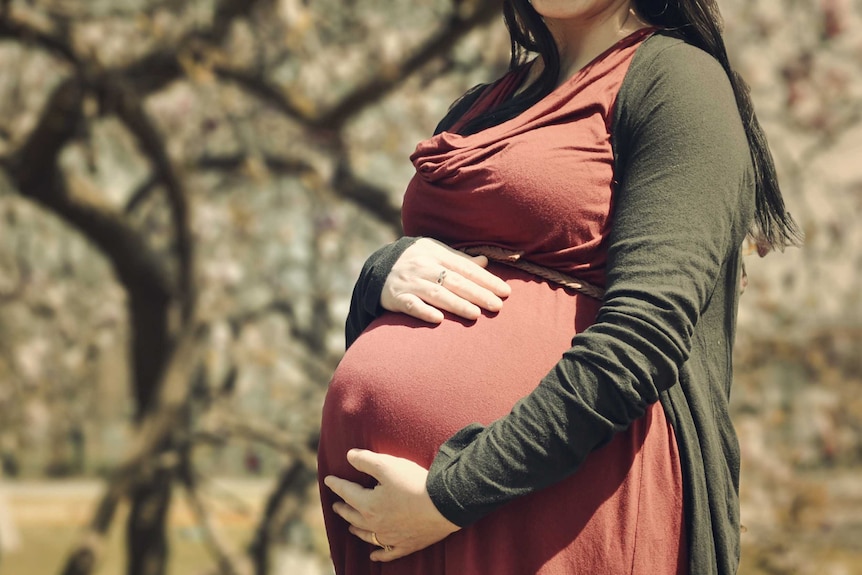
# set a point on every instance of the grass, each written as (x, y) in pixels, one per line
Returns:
(45, 549)
(48, 517)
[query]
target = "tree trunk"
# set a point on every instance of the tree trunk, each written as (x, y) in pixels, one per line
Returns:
(146, 530)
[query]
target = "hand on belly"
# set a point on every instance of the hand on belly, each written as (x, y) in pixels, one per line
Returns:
(397, 514)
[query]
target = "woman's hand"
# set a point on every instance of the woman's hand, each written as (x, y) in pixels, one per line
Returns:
(430, 277)
(397, 514)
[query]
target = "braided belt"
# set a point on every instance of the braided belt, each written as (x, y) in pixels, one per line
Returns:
(513, 258)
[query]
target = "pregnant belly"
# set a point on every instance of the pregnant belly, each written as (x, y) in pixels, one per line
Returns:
(405, 387)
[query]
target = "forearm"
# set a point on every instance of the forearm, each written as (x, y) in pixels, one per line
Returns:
(588, 397)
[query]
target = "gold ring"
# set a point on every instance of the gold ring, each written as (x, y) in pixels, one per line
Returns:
(441, 277)
(377, 542)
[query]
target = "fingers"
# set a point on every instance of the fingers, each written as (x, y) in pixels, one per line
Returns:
(353, 494)
(368, 462)
(383, 554)
(412, 305)
(351, 515)
(430, 278)
(487, 287)
(473, 269)
(365, 535)
(397, 514)
(464, 294)
(429, 298)
(369, 537)
(456, 294)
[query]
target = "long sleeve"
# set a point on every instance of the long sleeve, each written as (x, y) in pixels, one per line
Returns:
(365, 302)
(681, 208)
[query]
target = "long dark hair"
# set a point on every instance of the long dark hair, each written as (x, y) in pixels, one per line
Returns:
(699, 23)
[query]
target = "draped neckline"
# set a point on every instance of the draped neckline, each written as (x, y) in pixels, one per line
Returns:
(511, 82)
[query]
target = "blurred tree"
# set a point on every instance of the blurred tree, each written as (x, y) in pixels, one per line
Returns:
(151, 128)
(188, 189)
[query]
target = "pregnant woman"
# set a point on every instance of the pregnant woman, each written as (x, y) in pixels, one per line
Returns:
(582, 425)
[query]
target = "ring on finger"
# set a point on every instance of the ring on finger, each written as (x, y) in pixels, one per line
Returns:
(441, 277)
(377, 542)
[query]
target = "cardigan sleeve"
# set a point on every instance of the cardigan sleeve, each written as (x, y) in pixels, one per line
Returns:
(365, 302)
(684, 170)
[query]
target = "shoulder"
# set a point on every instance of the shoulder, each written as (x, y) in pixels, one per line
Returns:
(678, 92)
(667, 67)
(676, 105)
(664, 46)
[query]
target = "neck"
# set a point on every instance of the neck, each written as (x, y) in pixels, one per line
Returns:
(579, 41)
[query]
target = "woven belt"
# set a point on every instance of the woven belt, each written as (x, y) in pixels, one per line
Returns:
(513, 258)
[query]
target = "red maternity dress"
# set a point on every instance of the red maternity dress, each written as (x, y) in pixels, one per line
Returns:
(540, 184)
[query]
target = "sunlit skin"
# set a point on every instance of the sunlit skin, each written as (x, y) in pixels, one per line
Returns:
(584, 29)
(399, 511)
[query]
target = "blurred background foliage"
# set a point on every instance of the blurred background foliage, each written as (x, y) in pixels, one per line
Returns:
(188, 190)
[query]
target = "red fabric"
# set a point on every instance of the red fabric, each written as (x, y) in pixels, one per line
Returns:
(541, 184)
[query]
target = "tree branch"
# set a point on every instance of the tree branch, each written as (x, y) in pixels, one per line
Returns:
(375, 200)
(266, 92)
(141, 193)
(226, 424)
(294, 480)
(27, 33)
(275, 164)
(119, 99)
(159, 68)
(390, 77)
(371, 198)
(33, 172)
(226, 561)
(374, 88)
(141, 461)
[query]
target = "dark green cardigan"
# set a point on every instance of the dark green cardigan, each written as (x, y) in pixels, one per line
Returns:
(683, 204)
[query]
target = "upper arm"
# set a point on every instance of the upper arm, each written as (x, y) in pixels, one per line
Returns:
(683, 199)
